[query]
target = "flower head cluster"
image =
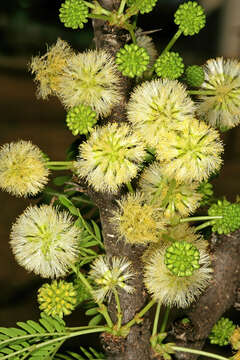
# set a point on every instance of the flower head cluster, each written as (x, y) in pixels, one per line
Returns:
(165, 285)
(220, 106)
(58, 298)
(173, 198)
(166, 106)
(22, 168)
(146, 42)
(194, 75)
(144, 6)
(48, 68)
(80, 119)
(191, 154)
(230, 213)
(169, 65)
(45, 241)
(109, 274)
(182, 258)
(138, 222)
(190, 18)
(91, 79)
(221, 332)
(132, 60)
(110, 157)
(74, 13)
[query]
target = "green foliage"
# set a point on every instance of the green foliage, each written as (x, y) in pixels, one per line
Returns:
(230, 213)
(37, 340)
(80, 119)
(190, 18)
(221, 332)
(90, 354)
(194, 75)
(206, 190)
(74, 13)
(132, 60)
(144, 6)
(169, 65)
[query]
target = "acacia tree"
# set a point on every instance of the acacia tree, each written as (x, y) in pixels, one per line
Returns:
(146, 166)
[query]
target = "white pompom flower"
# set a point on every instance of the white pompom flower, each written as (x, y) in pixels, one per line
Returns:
(159, 106)
(109, 274)
(110, 157)
(45, 241)
(220, 107)
(91, 78)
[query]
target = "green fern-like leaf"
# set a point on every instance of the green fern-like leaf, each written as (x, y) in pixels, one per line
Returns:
(32, 340)
(90, 354)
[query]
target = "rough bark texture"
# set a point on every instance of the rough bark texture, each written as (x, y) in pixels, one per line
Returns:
(219, 297)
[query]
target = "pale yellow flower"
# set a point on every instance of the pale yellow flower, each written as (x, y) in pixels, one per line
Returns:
(22, 168)
(110, 157)
(138, 222)
(221, 108)
(191, 154)
(91, 78)
(48, 68)
(157, 107)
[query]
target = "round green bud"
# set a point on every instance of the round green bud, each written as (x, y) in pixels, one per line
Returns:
(169, 65)
(74, 13)
(221, 332)
(230, 217)
(144, 6)
(194, 75)
(58, 298)
(190, 18)
(80, 119)
(182, 258)
(132, 60)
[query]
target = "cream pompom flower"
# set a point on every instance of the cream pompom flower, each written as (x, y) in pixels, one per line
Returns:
(45, 241)
(158, 106)
(191, 154)
(221, 108)
(173, 198)
(110, 157)
(138, 222)
(48, 68)
(22, 168)
(109, 274)
(166, 285)
(91, 78)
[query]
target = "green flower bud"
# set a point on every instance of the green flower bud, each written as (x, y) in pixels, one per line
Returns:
(145, 6)
(74, 13)
(58, 298)
(182, 258)
(194, 75)
(230, 216)
(190, 17)
(169, 65)
(80, 119)
(132, 60)
(221, 332)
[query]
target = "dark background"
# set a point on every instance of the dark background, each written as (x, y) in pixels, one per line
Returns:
(26, 27)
